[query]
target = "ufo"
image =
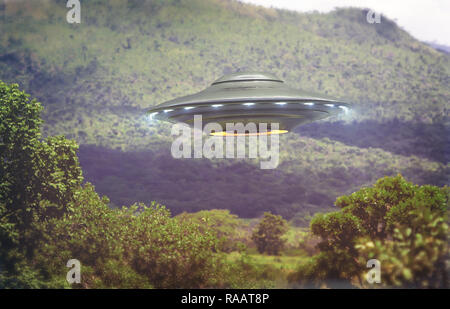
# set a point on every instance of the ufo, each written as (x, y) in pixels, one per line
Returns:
(250, 97)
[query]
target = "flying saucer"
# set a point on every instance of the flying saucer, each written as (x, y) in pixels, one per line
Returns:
(250, 98)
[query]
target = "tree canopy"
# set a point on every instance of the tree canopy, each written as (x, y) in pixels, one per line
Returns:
(269, 232)
(401, 224)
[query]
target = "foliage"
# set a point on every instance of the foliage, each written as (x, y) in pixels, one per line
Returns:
(172, 253)
(400, 224)
(37, 180)
(89, 231)
(245, 271)
(135, 247)
(415, 257)
(47, 218)
(268, 234)
(231, 231)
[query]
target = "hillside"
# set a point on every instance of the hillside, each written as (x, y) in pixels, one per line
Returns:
(96, 80)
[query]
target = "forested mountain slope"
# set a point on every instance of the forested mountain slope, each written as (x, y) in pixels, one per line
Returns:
(97, 79)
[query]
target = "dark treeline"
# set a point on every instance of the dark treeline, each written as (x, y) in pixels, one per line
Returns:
(192, 185)
(243, 188)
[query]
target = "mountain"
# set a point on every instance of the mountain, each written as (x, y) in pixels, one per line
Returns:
(96, 80)
(440, 47)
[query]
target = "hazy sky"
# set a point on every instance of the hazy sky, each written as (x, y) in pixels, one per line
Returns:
(427, 20)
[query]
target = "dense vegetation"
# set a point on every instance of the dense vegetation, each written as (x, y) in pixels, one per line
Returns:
(48, 216)
(268, 234)
(400, 224)
(96, 80)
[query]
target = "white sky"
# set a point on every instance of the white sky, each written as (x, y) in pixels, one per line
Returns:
(427, 20)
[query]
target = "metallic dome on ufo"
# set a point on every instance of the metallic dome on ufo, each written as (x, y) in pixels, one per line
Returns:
(250, 98)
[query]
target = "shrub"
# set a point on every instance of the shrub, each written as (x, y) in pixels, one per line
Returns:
(268, 233)
(400, 224)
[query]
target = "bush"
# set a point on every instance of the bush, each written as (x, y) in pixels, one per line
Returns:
(268, 233)
(171, 253)
(231, 231)
(400, 224)
(139, 246)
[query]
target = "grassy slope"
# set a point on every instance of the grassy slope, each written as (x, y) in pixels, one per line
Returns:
(96, 80)
(181, 47)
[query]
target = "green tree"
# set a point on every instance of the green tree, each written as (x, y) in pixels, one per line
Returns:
(96, 235)
(397, 222)
(37, 180)
(415, 255)
(268, 234)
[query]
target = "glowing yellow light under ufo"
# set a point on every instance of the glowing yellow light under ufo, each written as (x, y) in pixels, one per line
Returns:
(224, 133)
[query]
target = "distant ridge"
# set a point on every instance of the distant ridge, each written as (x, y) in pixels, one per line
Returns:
(440, 47)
